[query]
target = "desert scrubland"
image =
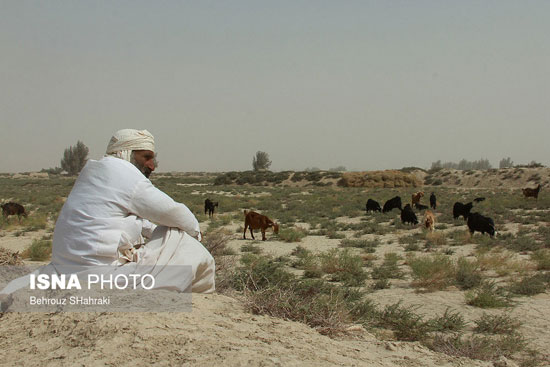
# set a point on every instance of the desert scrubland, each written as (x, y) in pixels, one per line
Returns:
(335, 286)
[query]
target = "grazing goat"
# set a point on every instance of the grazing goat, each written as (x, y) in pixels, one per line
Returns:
(254, 220)
(209, 207)
(408, 216)
(420, 206)
(394, 203)
(373, 206)
(415, 199)
(479, 200)
(462, 209)
(429, 220)
(480, 223)
(13, 209)
(433, 201)
(528, 192)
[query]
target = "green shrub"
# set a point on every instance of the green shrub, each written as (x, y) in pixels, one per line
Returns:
(39, 250)
(468, 274)
(405, 324)
(496, 324)
(388, 269)
(432, 272)
(528, 286)
(542, 258)
(292, 234)
(488, 295)
(449, 321)
(343, 267)
(250, 247)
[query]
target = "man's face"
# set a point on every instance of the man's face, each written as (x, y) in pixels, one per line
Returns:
(144, 160)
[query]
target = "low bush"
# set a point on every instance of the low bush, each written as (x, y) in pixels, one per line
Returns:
(432, 272)
(496, 324)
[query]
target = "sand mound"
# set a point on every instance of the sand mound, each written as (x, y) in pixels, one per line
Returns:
(217, 331)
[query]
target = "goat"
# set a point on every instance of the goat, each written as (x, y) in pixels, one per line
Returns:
(420, 206)
(13, 209)
(528, 192)
(429, 220)
(480, 223)
(433, 201)
(408, 216)
(253, 220)
(391, 204)
(415, 199)
(209, 207)
(372, 205)
(462, 209)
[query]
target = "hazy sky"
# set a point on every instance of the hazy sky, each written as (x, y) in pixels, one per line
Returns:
(363, 84)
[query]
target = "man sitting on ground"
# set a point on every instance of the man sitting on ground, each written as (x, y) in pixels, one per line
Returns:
(111, 210)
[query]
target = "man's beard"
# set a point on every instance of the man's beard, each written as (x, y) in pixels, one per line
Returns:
(142, 168)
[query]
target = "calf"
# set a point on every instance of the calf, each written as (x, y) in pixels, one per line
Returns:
(394, 203)
(433, 201)
(429, 221)
(480, 223)
(534, 193)
(415, 199)
(408, 216)
(209, 207)
(373, 206)
(254, 220)
(420, 206)
(13, 209)
(462, 209)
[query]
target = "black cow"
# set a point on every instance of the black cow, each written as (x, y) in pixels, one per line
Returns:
(373, 206)
(433, 201)
(420, 206)
(209, 207)
(408, 216)
(480, 223)
(13, 209)
(394, 203)
(462, 209)
(479, 200)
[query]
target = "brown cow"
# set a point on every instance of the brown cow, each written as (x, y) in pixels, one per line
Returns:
(416, 198)
(254, 220)
(13, 209)
(429, 220)
(528, 192)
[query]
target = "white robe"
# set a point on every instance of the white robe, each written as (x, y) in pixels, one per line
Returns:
(108, 212)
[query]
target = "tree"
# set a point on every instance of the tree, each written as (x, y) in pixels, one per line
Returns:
(506, 163)
(74, 158)
(261, 161)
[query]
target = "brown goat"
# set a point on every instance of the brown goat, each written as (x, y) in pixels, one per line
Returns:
(13, 209)
(429, 220)
(254, 220)
(415, 199)
(528, 192)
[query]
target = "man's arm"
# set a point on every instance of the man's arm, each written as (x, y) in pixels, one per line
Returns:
(150, 203)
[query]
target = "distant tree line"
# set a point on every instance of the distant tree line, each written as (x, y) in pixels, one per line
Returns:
(482, 164)
(464, 164)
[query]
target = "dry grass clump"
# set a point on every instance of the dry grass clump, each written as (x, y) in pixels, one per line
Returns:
(386, 179)
(435, 239)
(484, 348)
(39, 250)
(8, 257)
(432, 273)
(504, 263)
(216, 243)
(496, 324)
(542, 258)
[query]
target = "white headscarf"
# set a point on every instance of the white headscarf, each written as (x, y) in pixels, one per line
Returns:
(126, 140)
